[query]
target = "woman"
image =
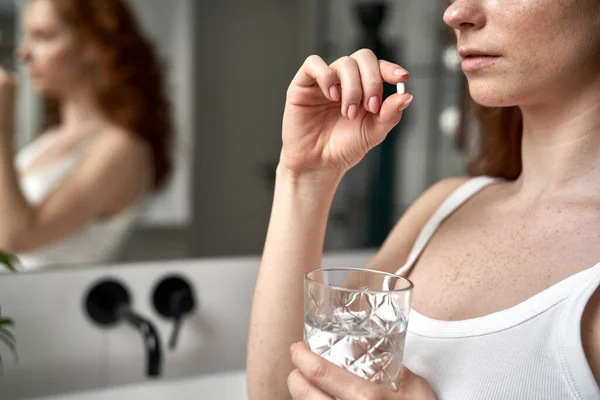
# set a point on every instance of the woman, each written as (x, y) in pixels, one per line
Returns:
(507, 300)
(75, 190)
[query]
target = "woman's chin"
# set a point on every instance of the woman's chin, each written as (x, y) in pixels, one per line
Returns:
(490, 98)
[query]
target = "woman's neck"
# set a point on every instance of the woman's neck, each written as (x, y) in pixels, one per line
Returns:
(80, 113)
(561, 145)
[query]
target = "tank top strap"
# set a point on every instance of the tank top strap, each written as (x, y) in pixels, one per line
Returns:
(575, 364)
(449, 206)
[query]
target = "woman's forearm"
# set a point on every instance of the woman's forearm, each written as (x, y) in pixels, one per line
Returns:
(15, 212)
(294, 245)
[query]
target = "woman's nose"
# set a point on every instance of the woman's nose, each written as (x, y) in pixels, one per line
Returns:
(23, 54)
(465, 15)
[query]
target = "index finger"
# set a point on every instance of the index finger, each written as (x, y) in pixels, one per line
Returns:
(393, 73)
(334, 380)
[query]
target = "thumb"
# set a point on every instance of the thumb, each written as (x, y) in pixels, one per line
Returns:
(413, 387)
(389, 115)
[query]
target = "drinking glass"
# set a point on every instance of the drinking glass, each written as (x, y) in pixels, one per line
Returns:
(357, 319)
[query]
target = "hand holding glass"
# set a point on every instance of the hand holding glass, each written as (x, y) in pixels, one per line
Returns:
(357, 319)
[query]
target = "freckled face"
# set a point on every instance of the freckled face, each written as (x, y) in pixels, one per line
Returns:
(539, 50)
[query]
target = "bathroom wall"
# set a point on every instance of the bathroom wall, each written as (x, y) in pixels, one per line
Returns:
(248, 52)
(62, 351)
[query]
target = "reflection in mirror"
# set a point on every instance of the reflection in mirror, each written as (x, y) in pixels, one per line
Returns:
(104, 146)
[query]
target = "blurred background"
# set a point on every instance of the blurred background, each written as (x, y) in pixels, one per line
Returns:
(229, 63)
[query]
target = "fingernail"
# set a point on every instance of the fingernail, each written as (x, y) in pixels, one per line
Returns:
(400, 72)
(352, 111)
(374, 104)
(406, 103)
(333, 92)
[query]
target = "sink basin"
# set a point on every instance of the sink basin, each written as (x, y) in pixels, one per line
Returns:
(225, 386)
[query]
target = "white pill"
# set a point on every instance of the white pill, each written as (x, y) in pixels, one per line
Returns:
(401, 88)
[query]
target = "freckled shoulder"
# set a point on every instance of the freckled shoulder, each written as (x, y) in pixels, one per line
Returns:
(396, 248)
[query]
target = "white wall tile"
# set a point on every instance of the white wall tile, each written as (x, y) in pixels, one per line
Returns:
(55, 342)
(213, 339)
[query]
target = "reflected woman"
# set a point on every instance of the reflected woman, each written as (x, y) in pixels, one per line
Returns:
(74, 192)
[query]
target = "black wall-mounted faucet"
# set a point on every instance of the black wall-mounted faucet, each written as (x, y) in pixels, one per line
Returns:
(174, 298)
(108, 303)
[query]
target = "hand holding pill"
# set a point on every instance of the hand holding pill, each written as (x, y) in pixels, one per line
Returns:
(336, 113)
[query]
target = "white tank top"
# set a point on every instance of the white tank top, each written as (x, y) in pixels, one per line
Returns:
(95, 243)
(532, 351)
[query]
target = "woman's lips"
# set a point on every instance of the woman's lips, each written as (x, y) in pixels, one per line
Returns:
(476, 58)
(478, 61)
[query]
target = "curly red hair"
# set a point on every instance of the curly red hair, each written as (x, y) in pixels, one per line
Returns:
(128, 81)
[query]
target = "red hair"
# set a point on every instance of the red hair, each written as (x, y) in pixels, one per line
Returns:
(128, 80)
(501, 133)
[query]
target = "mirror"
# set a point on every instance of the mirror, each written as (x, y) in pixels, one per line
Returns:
(226, 75)
(160, 225)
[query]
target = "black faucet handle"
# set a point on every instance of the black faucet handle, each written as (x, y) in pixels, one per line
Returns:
(175, 333)
(181, 303)
(174, 298)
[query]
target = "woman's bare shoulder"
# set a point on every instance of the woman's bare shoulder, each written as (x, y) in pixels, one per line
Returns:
(116, 143)
(397, 246)
(120, 161)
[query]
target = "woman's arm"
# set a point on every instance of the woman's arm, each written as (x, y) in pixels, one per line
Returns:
(294, 246)
(110, 173)
(334, 115)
